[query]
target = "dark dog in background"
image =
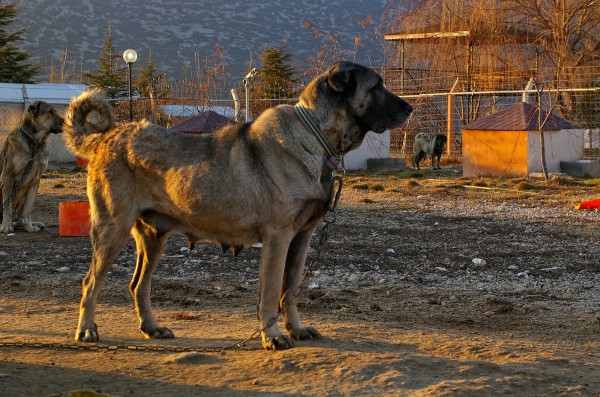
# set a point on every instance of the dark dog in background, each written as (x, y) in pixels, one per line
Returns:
(23, 159)
(425, 147)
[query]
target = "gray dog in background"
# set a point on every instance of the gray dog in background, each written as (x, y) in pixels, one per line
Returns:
(425, 147)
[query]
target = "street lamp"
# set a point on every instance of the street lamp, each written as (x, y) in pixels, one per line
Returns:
(130, 56)
(247, 79)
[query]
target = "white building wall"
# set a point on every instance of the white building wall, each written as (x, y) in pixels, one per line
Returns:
(563, 145)
(374, 146)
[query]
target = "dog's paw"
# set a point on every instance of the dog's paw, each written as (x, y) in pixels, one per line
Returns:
(279, 342)
(7, 228)
(87, 335)
(32, 228)
(39, 225)
(158, 333)
(305, 333)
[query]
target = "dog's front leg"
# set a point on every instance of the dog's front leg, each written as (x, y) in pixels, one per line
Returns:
(272, 265)
(24, 220)
(293, 277)
(7, 204)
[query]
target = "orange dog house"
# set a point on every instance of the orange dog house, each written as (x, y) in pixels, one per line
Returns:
(507, 143)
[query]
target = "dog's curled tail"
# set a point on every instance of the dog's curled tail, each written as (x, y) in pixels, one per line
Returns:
(88, 117)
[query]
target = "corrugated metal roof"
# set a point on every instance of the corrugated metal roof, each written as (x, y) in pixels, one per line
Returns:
(206, 122)
(56, 94)
(520, 117)
(190, 110)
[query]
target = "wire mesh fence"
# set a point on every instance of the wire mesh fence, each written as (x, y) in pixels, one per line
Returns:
(444, 103)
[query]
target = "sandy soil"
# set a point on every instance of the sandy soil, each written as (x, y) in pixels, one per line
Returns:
(429, 286)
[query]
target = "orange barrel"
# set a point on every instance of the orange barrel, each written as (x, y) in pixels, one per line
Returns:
(74, 218)
(81, 162)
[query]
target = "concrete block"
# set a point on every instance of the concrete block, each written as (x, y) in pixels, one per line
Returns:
(395, 164)
(581, 168)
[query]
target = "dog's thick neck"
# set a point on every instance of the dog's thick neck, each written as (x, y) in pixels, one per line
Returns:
(29, 125)
(332, 158)
(334, 127)
(34, 145)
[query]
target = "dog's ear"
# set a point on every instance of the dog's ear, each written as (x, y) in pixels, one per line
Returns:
(34, 108)
(340, 78)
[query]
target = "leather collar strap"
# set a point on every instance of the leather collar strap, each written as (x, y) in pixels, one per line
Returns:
(33, 145)
(333, 160)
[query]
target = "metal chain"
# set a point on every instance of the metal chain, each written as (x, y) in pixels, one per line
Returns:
(19, 184)
(323, 237)
(121, 346)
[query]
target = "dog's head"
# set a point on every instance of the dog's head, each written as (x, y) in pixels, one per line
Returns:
(439, 143)
(43, 119)
(358, 102)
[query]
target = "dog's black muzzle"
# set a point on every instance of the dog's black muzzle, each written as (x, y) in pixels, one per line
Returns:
(59, 127)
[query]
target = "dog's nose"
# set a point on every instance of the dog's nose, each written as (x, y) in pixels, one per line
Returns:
(409, 108)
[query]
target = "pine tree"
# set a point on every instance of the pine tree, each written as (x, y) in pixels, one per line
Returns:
(276, 77)
(15, 64)
(276, 71)
(148, 77)
(107, 75)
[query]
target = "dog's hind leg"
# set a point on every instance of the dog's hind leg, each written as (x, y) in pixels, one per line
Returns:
(150, 246)
(293, 275)
(106, 245)
(109, 232)
(417, 159)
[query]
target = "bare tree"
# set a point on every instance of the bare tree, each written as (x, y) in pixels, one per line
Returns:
(66, 69)
(541, 122)
(333, 47)
(568, 34)
(503, 35)
(475, 42)
(201, 81)
(567, 31)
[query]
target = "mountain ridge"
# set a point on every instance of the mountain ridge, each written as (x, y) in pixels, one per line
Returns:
(176, 32)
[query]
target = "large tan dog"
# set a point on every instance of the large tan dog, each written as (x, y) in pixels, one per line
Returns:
(267, 182)
(23, 160)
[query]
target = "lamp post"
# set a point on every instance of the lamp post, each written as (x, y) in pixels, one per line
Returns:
(130, 56)
(247, 79)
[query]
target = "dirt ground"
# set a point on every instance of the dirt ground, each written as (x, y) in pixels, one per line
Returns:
(430, 285)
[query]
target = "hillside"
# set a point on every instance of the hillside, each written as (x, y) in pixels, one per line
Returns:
(177, 31)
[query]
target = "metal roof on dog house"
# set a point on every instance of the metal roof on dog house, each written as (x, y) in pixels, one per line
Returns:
(507, 143)
(206, 122)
